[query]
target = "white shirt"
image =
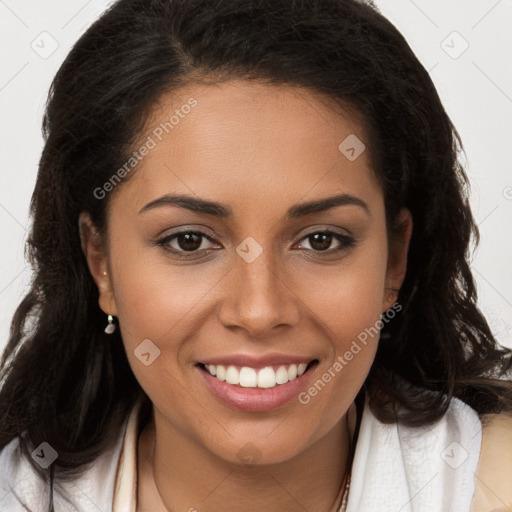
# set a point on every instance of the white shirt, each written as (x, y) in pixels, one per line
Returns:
(395, 468)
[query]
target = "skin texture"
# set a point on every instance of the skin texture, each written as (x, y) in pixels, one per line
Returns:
(258, 149)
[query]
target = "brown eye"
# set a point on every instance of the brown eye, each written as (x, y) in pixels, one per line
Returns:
(321, 241)
(189, 241)
(185, 242)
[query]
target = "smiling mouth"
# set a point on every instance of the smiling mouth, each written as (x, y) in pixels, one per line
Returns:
(262, 378)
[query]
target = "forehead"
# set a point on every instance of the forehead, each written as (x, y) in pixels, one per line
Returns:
(241, 141)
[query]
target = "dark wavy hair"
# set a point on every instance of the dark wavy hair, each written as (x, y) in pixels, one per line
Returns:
(66, 382)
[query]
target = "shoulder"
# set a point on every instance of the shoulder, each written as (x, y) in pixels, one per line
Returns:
(24, 488)
(493, 477)
(395, 463)
(20, 484)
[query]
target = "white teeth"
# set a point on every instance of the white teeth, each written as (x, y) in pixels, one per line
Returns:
(281, 375)
(267, 378)
(220, 371)
(250, 378)
(232, 375)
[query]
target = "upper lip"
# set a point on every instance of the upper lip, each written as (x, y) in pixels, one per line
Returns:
(256, 361)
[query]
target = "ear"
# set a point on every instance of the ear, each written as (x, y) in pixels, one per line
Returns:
(397, 257)
(96, 255)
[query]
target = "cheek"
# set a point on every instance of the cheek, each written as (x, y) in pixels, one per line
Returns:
(153, 295)
(349, 313)
(349, 298)
(350, 310)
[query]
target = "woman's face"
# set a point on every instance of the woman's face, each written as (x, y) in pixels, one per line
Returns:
(256, 284)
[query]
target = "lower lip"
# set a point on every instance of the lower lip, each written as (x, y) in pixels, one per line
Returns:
(255, 399)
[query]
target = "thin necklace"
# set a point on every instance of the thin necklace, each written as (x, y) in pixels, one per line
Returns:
(341, 498)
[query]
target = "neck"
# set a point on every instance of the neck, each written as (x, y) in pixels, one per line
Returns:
(176, 473)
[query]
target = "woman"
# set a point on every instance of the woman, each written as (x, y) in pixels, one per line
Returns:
(251, 285)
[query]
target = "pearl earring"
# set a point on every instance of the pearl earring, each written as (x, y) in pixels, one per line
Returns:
(111, 326)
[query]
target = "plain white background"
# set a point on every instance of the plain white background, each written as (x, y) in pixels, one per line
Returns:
(465, 44)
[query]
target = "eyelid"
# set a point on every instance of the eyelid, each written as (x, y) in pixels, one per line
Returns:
(345, 240)
(166, 239)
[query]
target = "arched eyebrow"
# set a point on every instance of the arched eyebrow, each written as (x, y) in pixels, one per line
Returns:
(216, 209)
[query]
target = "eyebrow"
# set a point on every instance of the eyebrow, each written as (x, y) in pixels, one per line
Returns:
(221, 210)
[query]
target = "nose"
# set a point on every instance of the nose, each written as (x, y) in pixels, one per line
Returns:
(259, 296)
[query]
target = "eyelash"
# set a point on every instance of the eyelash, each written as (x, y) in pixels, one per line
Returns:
(346, 241)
